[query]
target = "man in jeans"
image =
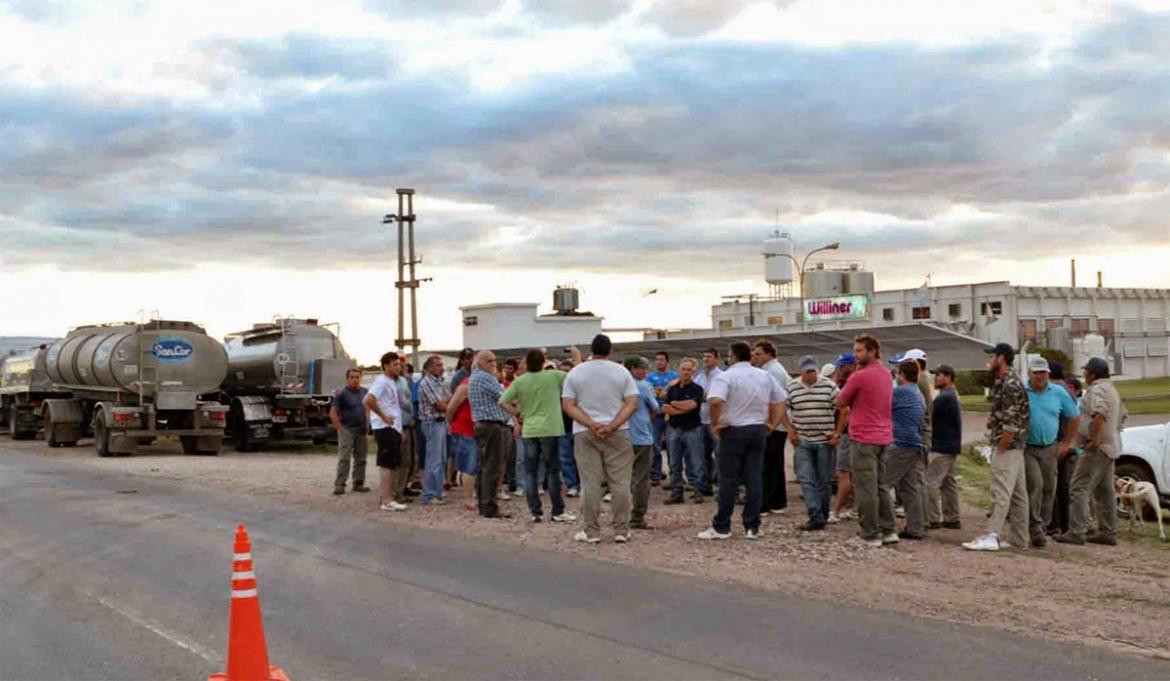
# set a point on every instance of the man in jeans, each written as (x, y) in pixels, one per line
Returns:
(868, 394)
(684, 434)
(905, 465)
(1099, 435)
(703, 377)
(1048, 404)
(942, 491)
(811, 424)
(491, 432)
(1007, 427)
(642, 440)
(746, 404)
(433, 397)
(349, 418)
(534, 398)
(600, 396)
(659, 380)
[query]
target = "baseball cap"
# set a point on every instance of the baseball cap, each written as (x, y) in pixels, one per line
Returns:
(1004, 349)
(1056, 371)
(1036, 364)
(636, 362)
(944, 369)
(1098, 366)
(828, 369)
(809, 363)
(846, 358)
(915, 354)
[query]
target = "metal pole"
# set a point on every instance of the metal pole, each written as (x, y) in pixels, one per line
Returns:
(401, 297)
(414, 340)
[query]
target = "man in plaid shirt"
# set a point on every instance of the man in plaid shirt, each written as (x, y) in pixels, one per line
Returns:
(433, 396)
(491, 430)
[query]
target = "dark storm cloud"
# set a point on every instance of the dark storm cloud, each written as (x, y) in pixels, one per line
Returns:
(694, 149)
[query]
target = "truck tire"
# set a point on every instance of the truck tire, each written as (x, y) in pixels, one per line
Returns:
(244, 440)
(187, 442)
(1138, 471)
(11, 416)
(101, 436)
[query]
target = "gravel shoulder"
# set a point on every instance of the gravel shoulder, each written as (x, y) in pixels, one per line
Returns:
(1118, 598)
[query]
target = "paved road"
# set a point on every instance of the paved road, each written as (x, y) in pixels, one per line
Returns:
(101, 582)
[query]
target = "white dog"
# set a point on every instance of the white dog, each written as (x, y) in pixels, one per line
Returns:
(1136, 495)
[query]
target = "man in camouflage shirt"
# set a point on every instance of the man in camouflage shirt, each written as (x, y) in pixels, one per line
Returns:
(1007, 428)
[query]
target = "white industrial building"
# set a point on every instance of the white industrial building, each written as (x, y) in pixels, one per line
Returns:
(517, 325)
(1128, 326)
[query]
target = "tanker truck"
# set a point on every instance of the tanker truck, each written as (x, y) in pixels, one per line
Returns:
(280, 381)
(131, 383)
(24, 387)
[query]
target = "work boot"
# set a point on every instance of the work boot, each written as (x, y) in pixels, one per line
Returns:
(675, 499)
(1102, 539)
(339, 490)
(952, 525)
(1068, 539)
(360, 488)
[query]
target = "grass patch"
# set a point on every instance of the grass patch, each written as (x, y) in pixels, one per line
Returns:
(974, 478)
(1142, 396)
(1146, 387)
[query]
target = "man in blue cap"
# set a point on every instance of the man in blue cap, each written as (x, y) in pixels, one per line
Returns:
(1099, 435)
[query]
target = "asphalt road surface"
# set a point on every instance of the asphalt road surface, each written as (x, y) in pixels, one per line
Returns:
(112, 576)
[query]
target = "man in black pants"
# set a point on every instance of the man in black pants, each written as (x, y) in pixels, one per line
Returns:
(1064, 465)
(491, 430)
(775, 484)
(745, 404)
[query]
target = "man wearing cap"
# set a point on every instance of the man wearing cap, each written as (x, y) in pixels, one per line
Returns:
(1047, 403)
(846, 364)
(1099, 434)
(946, 442)
(811, 423)
(1007, 427)
(904, 460)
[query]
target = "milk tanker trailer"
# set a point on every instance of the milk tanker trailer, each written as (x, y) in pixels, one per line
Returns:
(131, 383)
(280, 381)
(24, 387)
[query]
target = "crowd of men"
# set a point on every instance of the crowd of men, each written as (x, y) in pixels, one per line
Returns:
(872, 440)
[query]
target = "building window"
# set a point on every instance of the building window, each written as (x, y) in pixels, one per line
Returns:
(994, 307)
(955, 310)
(1053, 323)
(470, 321)
(725, 324)
(920, 313)
(1080, 325)
(1028, 329)
(1107, 327)
(778, 320)
(887, 314)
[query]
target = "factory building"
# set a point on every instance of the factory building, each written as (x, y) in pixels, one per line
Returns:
(1127, 326)
(517, 325)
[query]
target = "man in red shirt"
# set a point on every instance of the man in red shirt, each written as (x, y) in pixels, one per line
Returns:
(868, 394)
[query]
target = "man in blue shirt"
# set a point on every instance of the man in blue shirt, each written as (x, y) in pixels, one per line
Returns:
(1048, 404)
(642, 440)
(659, 379)
(905, 459)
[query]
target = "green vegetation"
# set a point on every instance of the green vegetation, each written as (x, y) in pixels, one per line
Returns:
(1142, 396)
(974, 476)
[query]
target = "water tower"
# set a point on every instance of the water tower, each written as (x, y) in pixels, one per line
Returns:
(778, 263)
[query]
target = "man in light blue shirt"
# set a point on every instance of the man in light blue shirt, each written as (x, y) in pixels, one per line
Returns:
(1048, 403)
(642, 440)
(659, 379)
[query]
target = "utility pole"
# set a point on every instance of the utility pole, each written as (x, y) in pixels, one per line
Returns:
(406, 276)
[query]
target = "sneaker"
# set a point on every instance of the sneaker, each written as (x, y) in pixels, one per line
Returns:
(913, 536)
(608, 497)
(1039, 542)
(433, 502)
(953, 525)
(339, 490)
(581, 536)
(889, 538)
(764, 514)
(847, 514)
(779, 511)
(751, 534)
(620, 539)
(872, 543)
(640, 525)
(934, 526)
(393, 506)
(504, 496)
(360, 488)
(1103, 540)
(811, 526)
(988, 542)
(573, 492)
(833, 519)
(712, 533)
(1068, 539)
(899, 512)
(537, 519)
(565, 517)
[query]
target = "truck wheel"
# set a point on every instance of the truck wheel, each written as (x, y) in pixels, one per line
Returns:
(187, 442)
(101, 436)
(12, 432)
(244, 440)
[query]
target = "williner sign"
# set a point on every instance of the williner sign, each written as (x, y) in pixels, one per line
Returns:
(840, 307)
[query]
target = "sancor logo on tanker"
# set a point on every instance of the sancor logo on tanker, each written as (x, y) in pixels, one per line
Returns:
(172, 349)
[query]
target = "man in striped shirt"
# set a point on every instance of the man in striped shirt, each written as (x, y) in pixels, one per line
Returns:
(811, 423)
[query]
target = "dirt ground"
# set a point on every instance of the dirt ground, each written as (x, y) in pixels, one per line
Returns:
(1116, 597)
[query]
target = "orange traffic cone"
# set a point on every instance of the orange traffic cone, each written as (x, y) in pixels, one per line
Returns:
(247, 657)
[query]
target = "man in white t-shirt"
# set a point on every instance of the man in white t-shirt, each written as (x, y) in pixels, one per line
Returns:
(600, 395)
(386, 421)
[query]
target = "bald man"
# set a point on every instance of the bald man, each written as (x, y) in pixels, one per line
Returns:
(491, 429)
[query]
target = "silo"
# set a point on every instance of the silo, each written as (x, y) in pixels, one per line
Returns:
(819, 283)
(858, 281)
(778, 269)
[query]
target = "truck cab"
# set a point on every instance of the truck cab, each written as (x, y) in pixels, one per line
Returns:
(1145, 455)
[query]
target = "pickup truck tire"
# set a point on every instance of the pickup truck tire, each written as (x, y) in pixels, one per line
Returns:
(1138, 471)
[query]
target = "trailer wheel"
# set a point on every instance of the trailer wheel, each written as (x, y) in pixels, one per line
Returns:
(101, 436)
(187, 442)
(12, 432)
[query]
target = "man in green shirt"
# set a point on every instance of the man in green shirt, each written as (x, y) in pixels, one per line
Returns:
(534, 398)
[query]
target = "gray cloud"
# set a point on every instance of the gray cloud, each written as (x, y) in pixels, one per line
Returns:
(693, 150)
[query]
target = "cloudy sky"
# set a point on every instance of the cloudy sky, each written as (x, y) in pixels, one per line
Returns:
(230, 161)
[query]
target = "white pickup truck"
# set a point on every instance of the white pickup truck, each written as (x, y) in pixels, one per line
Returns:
(1145, 455)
